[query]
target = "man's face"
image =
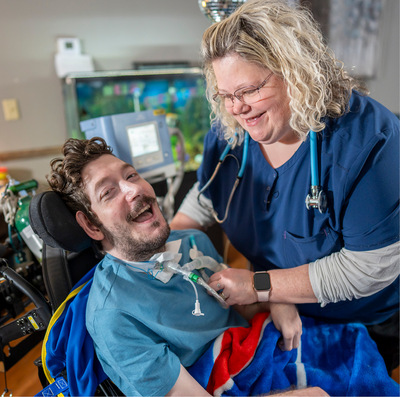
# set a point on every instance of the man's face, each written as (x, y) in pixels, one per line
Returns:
(132, 225)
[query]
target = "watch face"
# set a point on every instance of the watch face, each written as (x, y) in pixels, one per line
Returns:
(262, 281)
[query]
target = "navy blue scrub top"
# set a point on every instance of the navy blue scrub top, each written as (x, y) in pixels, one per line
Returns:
(268, 220)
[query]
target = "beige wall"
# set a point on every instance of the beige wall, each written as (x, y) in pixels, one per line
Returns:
(115, 33)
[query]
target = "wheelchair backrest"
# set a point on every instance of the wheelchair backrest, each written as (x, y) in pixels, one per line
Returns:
(68, 252)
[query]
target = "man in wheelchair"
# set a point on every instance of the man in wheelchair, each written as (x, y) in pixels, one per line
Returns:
(157, 331)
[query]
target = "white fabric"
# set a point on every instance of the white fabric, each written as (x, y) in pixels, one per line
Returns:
(192, 209)
(345, 275)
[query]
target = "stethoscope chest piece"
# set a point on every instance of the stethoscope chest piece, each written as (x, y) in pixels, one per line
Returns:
(317, 199)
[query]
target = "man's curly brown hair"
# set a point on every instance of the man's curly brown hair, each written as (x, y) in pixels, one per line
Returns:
(66, 173)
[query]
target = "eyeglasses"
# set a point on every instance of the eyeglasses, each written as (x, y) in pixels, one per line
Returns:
(247, 95)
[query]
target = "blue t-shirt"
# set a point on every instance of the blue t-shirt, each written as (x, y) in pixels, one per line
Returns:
(144, 329)
(268, 220)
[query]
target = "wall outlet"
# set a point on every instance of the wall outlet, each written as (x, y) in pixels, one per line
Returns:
(10, 109)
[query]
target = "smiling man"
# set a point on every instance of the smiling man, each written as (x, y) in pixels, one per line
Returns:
(142, 332)
(132, 226)
(133, 332)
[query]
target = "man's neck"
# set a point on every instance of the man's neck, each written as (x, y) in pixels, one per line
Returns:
(139, 257)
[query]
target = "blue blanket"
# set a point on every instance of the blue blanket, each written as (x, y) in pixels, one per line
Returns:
(67, 345)
(340, 358)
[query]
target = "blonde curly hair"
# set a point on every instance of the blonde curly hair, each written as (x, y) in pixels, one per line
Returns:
(287, 41)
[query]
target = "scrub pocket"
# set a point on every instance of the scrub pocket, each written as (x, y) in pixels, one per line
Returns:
(301, 250)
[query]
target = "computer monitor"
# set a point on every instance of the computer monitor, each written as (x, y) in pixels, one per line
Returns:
(139, 138)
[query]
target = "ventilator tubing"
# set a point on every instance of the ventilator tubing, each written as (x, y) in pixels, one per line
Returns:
(201, 262)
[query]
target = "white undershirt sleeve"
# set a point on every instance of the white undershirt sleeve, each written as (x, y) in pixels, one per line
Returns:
(345, 275)
(194, 210)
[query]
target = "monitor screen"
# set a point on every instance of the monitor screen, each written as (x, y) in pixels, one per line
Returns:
(143, 139)
(138, 138)
(179, 92)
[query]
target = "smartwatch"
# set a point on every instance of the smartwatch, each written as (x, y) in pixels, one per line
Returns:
(262, 285)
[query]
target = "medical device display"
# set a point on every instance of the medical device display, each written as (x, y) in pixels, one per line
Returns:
(141, 139)
(179, 91)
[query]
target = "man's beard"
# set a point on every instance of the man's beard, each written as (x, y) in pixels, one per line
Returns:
(137, 248)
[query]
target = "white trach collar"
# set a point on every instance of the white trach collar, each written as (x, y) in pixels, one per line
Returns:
(173, 246)
(155, 265)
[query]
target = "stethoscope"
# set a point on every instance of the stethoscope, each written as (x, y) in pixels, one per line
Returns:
(239, 176)
(315, 199)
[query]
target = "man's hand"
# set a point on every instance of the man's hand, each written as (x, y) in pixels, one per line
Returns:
(236, 286)
(287, 320)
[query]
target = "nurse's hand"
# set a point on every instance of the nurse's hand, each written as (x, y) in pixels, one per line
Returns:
(287, 320)
(235, 286)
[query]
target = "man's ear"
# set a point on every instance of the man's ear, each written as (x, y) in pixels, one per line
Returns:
(91, 230)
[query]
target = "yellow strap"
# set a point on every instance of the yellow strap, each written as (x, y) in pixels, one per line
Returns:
(53, 319)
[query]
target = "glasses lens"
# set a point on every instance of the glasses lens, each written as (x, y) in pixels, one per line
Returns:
(250, 96)
(225, 99)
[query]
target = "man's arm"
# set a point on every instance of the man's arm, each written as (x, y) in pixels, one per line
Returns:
(307, 392)
(186, 385)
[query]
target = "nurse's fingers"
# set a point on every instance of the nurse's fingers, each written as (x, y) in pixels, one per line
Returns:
(216, 284)
(214, 277)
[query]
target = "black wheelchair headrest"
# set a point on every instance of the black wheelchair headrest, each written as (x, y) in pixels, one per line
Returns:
(55, 224)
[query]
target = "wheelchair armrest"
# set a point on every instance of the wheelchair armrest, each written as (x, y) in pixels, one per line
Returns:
(33, 321)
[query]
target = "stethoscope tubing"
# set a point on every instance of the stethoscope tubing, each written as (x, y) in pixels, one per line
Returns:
(237, 180)
(317, 198)
(314, 159)
(245, 153)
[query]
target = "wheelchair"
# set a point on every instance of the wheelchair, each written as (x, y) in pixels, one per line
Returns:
(68, 254)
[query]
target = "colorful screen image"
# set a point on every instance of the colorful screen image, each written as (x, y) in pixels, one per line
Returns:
(181, 94)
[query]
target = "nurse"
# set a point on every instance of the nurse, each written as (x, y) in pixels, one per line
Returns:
(269, 73)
